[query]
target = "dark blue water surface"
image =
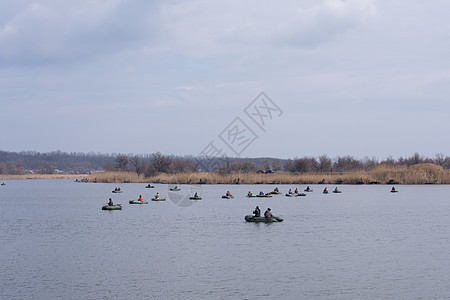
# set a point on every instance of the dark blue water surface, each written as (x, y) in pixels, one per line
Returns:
(366, 243)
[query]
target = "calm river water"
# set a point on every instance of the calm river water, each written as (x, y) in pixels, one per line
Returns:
(366, 243)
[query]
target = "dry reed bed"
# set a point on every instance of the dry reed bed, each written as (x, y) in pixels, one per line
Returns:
(417, 174)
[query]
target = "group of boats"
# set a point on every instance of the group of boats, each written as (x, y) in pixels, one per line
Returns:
(228, 195)
(290, 193)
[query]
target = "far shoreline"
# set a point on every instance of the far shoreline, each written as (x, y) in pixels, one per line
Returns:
(41, 176)
(384, 174)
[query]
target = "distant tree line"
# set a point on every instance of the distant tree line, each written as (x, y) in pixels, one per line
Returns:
(151, 164)
(51, 162)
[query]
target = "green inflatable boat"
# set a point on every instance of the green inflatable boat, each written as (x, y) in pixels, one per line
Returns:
(158, 199)
(227, 197)
(295, 194)
(250, 218)
(137, 202)
(112, 207)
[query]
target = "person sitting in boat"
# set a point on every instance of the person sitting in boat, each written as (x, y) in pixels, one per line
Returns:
(141, 198)
(261, 193)
(276, 190)
(195, 195)
(336, 190)
(249, 193)
(268, 214)
(115, 189)
(325, 190)
(307, 188)
(393, 189)
(228, 193)
(118, 189)
(257, 212)
(157, 196)
(290, 191)
(110, 202)
(296, 191)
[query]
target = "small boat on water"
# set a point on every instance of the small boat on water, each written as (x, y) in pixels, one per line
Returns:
(264, 196)
(276, 193)
(112, 207)
(251, 218)
(159, 199)
(195, 198)
(337, 191)
(117, 191)
(325, 192)
(295, 194)
(251, 196)
(227, 197)
(148, 186)
(394, 191)
(3, 183)
(308, 191)
(175, 189)
(137, 202)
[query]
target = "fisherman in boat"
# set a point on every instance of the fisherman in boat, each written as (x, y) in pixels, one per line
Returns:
(257, 212)
(141, 198)
(336, 190)
(276, 190)
(115, 189)
(110, 202)
(325, 190)
(157, 196)
(290, 191)
(393, 189)
(195, 195)
(228, 193)
(249, 193)
(307, 188)
(261, 193)
(268, 214)
(296, 191)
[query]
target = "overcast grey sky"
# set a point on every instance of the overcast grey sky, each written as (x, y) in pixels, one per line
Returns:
(356, 77)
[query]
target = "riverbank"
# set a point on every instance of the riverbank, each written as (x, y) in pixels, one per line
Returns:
(416, 174)
(40, 176)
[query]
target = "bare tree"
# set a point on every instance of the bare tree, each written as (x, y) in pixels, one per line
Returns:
(138, 164)
(347, 163)
(324, 164)
(121, 162)
(276, 164)
(158, 164)
(439, 159)
(304, 165)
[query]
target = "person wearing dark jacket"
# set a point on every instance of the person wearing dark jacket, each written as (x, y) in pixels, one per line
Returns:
(257, 212)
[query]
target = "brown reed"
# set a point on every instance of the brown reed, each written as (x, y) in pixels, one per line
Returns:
(416, 174)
